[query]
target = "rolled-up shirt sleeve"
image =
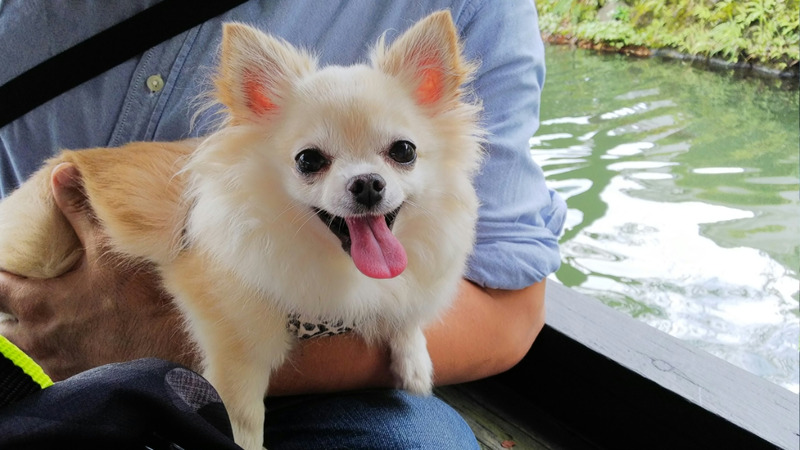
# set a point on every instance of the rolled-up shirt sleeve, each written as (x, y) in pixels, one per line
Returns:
(520, 218)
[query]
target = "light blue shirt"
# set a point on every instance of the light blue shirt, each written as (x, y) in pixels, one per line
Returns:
(520, 218)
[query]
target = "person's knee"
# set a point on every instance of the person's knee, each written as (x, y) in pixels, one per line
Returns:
(379, 419)
(432, 423)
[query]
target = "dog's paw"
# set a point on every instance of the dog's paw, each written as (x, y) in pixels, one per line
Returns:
(417, 384)
(413, 368)
(247, 439)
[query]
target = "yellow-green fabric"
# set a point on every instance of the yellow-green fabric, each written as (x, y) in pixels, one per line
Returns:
(24, 362)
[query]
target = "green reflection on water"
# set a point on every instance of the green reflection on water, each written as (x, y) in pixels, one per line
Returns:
(683, 193)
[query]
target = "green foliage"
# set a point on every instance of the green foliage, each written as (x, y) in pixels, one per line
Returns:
(765, 32)
(614, 33)
(622, 14)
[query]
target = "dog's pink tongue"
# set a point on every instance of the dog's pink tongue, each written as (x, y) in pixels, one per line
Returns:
(374, 249)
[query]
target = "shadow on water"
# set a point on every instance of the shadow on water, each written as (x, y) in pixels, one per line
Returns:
(684, 212)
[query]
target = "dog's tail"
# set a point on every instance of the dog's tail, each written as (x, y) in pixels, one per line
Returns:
(135, 192)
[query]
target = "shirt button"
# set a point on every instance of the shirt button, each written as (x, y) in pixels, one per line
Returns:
(155, 83)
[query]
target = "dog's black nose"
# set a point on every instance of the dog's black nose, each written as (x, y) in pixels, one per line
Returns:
(367, 189)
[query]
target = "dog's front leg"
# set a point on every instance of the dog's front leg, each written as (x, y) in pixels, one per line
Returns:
(243, 339)
(411, 363)
(240, 371)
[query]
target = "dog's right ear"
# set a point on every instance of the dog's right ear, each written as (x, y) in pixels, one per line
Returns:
(427, 58)
(255, 72)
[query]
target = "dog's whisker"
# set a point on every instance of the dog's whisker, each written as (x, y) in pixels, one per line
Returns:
(310, 215)
(330, 221)
(289, 207)
(421, 209)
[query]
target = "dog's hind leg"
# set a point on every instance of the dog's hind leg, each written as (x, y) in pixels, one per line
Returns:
(134, 191)
(36, 241)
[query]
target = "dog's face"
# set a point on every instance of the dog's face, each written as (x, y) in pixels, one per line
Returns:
(355, 148)
(361, 155)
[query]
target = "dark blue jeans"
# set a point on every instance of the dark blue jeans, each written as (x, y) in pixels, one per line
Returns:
(154, 404)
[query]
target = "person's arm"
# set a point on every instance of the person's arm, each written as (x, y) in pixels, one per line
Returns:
(485, 332)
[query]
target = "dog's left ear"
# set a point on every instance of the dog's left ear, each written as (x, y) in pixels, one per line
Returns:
(427, 58)
(256, 71)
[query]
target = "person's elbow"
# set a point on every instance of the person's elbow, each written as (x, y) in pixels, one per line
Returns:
(524, 319)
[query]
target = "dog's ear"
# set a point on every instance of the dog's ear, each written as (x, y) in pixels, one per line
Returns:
(427, 58)
(255, 71)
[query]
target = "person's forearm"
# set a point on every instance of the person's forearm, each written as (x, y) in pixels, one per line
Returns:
(331, 364)
(484, 333)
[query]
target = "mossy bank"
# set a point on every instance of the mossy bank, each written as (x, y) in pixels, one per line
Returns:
(752, 34)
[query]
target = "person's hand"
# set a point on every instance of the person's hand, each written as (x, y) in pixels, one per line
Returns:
(103, 310)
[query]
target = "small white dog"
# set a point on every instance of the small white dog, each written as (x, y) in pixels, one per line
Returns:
(337, 192)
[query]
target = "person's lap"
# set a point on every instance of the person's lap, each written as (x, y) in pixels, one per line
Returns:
(155, 403)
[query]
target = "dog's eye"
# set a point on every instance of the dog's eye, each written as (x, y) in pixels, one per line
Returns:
(310, 160)
(403, 152)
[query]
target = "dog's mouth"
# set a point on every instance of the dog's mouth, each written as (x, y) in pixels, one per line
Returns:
(376, 252)
(339, 228)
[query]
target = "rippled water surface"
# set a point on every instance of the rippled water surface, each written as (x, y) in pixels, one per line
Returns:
(682, 186)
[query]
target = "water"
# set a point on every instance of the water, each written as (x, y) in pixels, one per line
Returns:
(682, 186)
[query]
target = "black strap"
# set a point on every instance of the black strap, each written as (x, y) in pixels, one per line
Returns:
(103, 51)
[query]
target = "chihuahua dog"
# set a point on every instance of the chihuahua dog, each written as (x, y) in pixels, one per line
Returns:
(337, 192)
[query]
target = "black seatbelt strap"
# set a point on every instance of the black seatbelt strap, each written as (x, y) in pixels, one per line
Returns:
(103, 51)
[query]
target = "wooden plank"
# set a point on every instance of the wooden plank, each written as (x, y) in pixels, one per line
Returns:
(499, 415)
(591, 360)
(492, 429)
